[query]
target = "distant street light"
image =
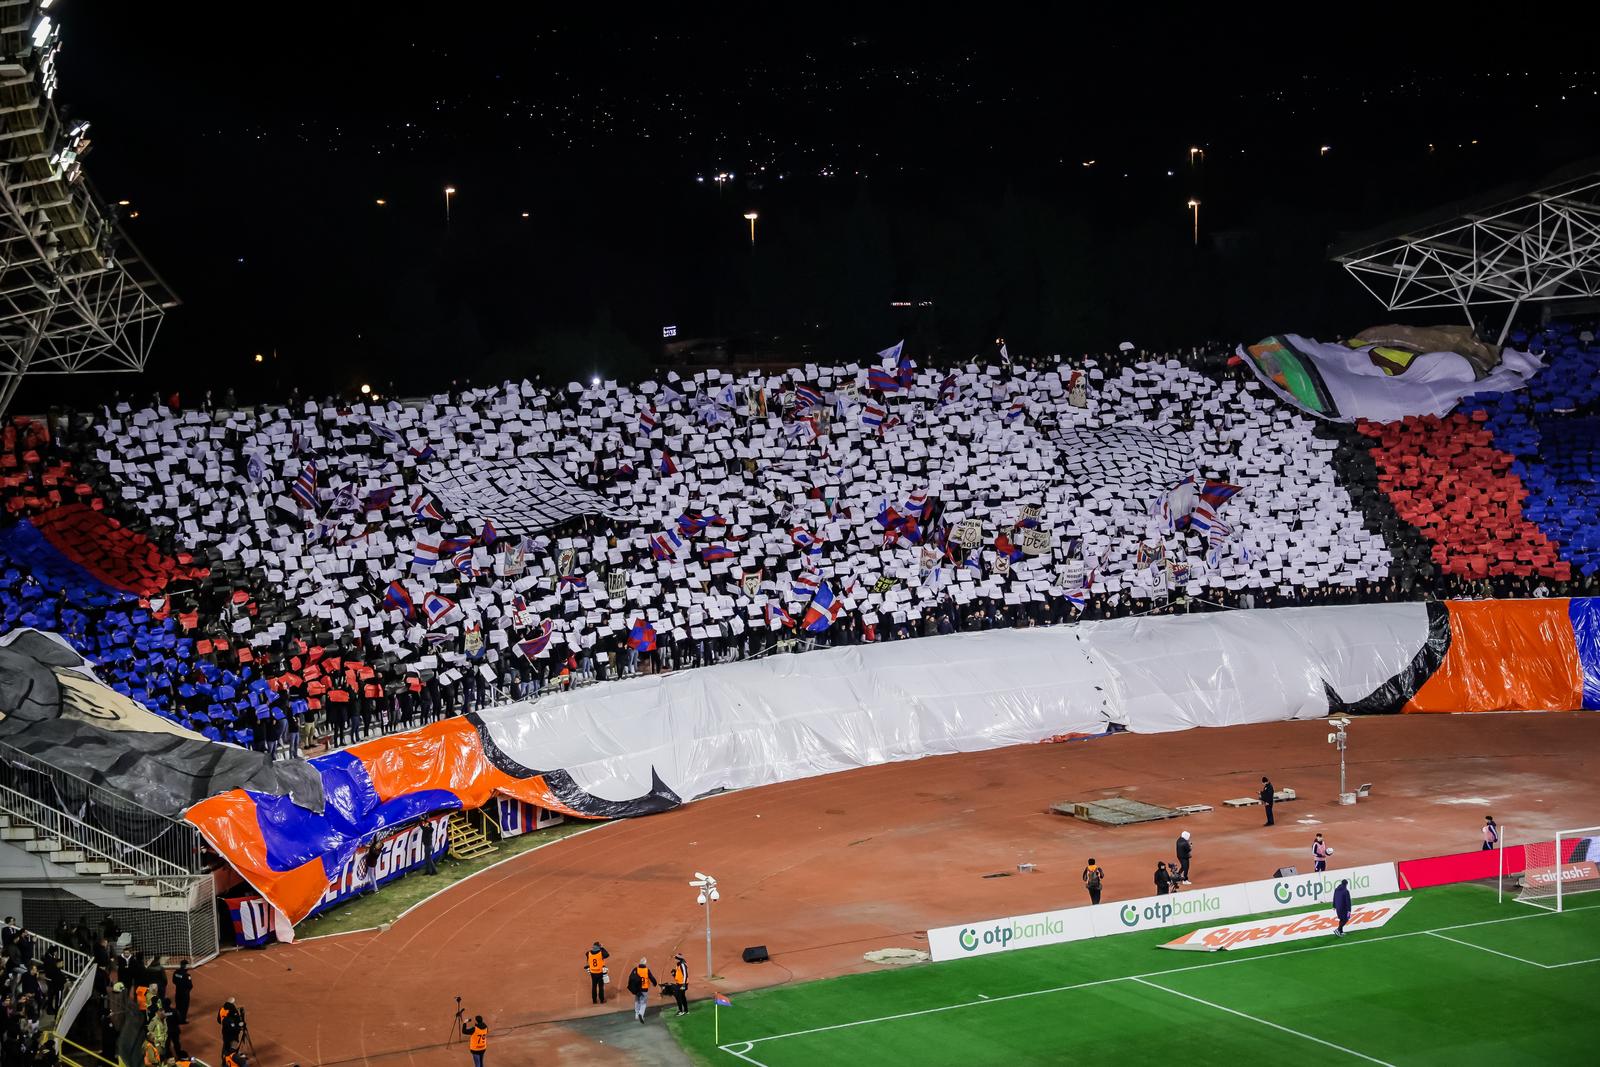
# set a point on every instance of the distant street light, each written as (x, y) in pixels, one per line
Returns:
(449, 191)
(365, 388)
(751, 216)
(1193, 152)
(1194, 205)
(258, 357)
(1325, 150)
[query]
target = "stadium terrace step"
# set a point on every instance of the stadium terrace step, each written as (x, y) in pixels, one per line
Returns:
(467, 842)
(18, 833)
(92, 867)
(42, 844)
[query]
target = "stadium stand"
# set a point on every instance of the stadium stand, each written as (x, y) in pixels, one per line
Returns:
(473, 548)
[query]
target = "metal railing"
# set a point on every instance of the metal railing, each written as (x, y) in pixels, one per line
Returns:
(136, 827)
(170, 878)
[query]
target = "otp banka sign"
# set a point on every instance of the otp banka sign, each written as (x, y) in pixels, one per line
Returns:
(1166, 910)
(1004, 935)
(1318, 888)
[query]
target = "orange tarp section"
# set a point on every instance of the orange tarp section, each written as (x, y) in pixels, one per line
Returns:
(1506, 655)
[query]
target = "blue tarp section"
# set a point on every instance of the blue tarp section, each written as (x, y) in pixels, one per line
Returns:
(1585, 613)
(23, 547)
(353, 815)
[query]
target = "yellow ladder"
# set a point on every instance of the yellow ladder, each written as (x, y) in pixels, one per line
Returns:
(466, 841)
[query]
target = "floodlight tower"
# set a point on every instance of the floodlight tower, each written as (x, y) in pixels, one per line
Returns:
(75, 295)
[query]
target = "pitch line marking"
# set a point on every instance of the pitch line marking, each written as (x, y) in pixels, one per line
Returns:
(1266, 1022)
(1492, 951)
(1150, 974)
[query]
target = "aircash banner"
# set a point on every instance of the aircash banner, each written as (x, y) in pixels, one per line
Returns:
(1257, 933)
(1154, 912)
(398, 854)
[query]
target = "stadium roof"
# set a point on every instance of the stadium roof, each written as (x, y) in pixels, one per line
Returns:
(1531, 241)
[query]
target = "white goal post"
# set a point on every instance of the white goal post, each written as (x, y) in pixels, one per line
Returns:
(1556, 868)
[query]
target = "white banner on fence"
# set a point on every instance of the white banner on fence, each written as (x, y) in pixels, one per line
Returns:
(1004, 935)
(1153, 913)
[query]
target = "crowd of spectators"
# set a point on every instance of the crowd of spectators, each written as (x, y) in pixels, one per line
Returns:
(280, 637)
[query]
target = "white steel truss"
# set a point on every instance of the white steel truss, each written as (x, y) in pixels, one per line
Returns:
(75, 296)
(1543, 245)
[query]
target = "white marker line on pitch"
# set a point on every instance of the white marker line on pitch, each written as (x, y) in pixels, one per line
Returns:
(1573, 963)
(1492, 951)
(1150, 974)
(746, 1046)
(1267, 1022)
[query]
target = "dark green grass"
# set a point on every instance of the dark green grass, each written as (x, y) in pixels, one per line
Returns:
(1370, 997)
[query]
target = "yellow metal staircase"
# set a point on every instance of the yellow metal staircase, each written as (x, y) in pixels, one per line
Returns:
(467, 841)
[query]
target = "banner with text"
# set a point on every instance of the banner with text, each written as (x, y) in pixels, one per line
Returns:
(1259, 932)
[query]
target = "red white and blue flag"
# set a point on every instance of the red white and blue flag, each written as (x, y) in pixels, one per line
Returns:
(423, 507)
(396, 597)
(304, 488)
(822, 612)
(642, 637)
(436, 607)
(535, 645)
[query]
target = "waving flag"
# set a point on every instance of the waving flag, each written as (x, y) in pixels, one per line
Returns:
(907, 371)
(304, 488)
(436, 607)
(805, 540)
(423, 454)
(462, 561)
(778, 616)
(345, 499)
(397, 598)
(423, 507)
(872, 415)
(1004, 546)
(1019, 408)
(823, 612)
(425, 555)
(892, 353)
(665, 464)
(573, 583)
(642, 637)
(665, 546)
(1217, 493)
(255, 469)
(947, 389)
(806, 398)
(535, 645)
(449, 546)
(379, 499)
(384, 432)
(883, 380)
(489, 535)
(807, 581)
(723, 1002)
(647, 420)
(713, 553)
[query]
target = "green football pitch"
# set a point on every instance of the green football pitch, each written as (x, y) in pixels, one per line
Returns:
(1454, 978)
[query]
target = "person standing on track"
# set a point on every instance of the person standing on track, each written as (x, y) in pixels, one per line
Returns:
(594, 962)
(1491, 834)
(477, 1034)
(182, 987)
(1266, 796)
(1163, 879)
(640, 980)
(680, 983)
(1319, 854)
(1185, 850)
(1093, 879)
(1341, 905)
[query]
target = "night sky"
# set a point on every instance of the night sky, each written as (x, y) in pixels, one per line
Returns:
(1013, 179)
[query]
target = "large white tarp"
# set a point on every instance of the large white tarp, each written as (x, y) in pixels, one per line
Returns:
(786, 717)
(1343, 384)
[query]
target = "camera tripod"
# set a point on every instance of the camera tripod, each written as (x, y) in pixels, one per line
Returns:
(242, 1042)
(455, 1024)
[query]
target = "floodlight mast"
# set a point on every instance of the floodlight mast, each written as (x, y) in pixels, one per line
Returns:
(75, 295)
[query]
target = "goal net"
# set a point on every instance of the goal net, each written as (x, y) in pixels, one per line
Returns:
(1554, 870)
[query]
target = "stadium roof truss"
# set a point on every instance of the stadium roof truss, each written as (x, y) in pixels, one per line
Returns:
(1539, 245)
(75, 295)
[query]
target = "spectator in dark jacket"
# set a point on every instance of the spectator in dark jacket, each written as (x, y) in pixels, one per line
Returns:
(1163, 879)
(1184, 852)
